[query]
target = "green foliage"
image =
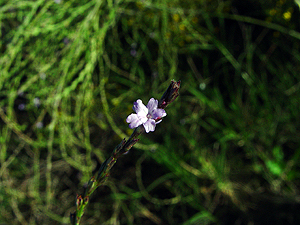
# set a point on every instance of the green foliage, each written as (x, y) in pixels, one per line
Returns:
(70, 71)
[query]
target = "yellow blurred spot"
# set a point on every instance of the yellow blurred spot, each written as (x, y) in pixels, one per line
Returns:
(168, 35)
(176, 17)
(140, 5)
(287, 15)
(181, 27)
(297, 2)
(115, 101)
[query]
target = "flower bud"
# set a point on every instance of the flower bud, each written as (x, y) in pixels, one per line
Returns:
(170, 95)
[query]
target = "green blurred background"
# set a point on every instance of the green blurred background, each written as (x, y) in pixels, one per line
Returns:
(228, 151)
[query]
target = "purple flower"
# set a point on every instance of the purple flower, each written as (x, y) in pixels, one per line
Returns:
(148, 116)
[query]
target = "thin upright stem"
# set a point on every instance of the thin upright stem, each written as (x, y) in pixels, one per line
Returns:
(101, 176)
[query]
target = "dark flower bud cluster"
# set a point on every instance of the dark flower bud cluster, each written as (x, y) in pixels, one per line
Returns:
(170, 95)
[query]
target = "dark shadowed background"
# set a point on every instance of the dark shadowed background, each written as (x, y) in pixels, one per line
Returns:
(226, 153)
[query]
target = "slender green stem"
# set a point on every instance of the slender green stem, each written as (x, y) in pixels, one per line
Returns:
(99, 179)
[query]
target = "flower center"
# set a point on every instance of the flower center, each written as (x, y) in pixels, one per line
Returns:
(149, 116)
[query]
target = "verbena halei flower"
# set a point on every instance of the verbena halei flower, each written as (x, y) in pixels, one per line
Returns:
(148, 116)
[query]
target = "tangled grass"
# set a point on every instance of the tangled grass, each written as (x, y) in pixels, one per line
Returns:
(229, 151)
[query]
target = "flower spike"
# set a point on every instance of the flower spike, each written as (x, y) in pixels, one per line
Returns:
(148, 116)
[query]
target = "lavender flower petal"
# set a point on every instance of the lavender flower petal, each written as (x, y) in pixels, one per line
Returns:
(159, 113)
(134, 120)
(140, 108)
(152, 105)
(149, 125)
